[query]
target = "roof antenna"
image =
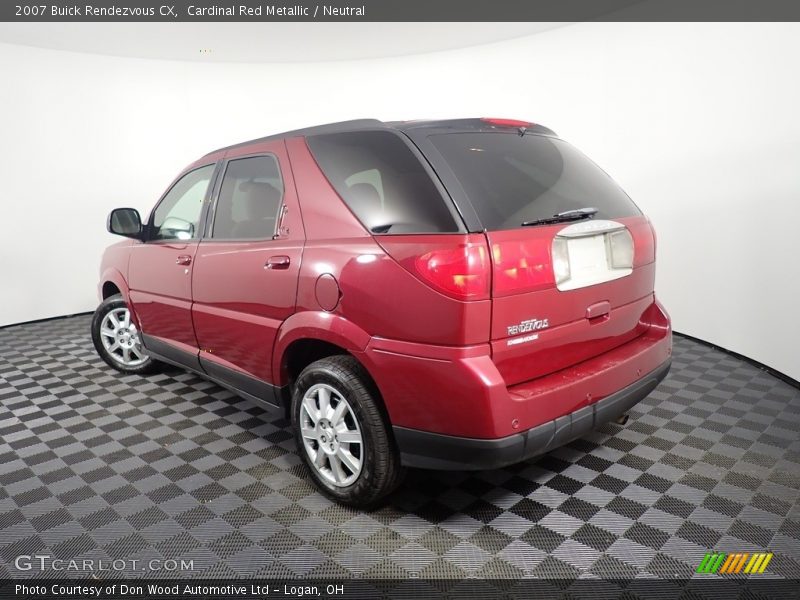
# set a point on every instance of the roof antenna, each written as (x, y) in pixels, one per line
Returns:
(522, 131)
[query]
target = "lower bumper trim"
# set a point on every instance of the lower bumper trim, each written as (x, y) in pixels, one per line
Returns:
(426, 450)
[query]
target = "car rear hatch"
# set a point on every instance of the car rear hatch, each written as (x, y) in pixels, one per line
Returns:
(572, 258)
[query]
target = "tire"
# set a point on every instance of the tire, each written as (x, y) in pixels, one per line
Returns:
(368, 469)
(116, 339)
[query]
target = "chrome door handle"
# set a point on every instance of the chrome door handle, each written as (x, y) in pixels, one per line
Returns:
(184, 259)
(277, 262)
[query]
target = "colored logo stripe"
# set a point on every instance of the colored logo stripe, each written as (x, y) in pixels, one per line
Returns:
(738, 562)
(755, 562)
(703, 566)
(764, 563)
(732, 558)
(734, 565)
(711, 562)
(718, 562)
(758, 563)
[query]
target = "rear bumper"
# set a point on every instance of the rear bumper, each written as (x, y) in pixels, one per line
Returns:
(459, 391)
(428, 450)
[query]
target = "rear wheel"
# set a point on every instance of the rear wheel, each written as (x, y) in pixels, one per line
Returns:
(116, 338)
(342, 434)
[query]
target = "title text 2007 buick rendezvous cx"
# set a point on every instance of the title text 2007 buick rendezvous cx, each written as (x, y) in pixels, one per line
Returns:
(459, 294)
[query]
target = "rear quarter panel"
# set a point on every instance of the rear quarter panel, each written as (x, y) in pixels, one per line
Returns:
(376, 293)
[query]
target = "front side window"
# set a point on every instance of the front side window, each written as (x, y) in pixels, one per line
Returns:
(177, 217)
(249, 200)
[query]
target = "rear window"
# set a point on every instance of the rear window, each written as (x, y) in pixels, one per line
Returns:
(510, 178)
(383, 182)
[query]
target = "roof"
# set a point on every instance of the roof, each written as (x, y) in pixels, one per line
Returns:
(440, 125)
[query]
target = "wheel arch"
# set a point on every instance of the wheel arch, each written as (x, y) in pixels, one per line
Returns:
(311, 335)
(110, 281)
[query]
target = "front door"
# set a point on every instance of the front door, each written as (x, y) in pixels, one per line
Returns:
(246, 268)
(160, 268)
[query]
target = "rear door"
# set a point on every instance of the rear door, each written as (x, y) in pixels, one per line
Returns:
(561, 292)
(247, 266)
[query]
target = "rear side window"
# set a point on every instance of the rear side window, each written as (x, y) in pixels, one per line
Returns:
(382, 182)
(510, 178)
(249, 200)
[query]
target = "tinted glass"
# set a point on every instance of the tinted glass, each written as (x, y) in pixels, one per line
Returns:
(178, 214)
(249, 200)
(510, 178)
(382, 182)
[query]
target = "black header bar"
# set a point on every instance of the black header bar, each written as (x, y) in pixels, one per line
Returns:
(399, 10)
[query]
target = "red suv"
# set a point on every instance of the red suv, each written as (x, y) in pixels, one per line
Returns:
(460, 294)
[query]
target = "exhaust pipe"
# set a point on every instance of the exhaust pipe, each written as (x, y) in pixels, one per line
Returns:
(623, 419)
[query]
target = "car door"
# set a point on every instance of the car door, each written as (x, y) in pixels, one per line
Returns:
(160, 268)
(246, 268)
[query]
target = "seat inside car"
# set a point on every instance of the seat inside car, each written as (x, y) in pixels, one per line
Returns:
(259, 202)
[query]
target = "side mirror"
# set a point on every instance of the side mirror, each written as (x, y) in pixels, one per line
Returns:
(125, 222)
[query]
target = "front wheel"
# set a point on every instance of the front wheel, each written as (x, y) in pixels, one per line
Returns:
(116, 338)
(341, 433)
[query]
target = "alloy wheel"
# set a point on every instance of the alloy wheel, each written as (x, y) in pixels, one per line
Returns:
(120, 338)
(331, 435)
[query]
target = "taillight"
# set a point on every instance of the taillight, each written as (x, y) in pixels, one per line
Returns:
(655, 238)
(522, 265)
(461, 271)
(644, 242)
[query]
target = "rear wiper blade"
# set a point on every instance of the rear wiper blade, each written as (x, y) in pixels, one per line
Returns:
(564, 217)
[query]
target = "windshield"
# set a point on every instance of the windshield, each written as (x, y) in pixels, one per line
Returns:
(512, 179)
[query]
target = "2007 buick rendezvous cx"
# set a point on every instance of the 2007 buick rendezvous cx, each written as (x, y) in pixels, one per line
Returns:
(459, 294)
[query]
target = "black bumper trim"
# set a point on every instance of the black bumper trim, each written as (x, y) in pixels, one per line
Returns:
(426, 450)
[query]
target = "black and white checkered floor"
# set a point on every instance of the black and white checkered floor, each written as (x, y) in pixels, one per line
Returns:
(102, 466)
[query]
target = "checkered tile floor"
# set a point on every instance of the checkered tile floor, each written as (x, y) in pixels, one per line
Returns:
(102, 466)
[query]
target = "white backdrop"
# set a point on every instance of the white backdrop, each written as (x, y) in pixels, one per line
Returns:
(698, 122)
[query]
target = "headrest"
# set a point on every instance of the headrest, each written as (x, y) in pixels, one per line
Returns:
(261, 199)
